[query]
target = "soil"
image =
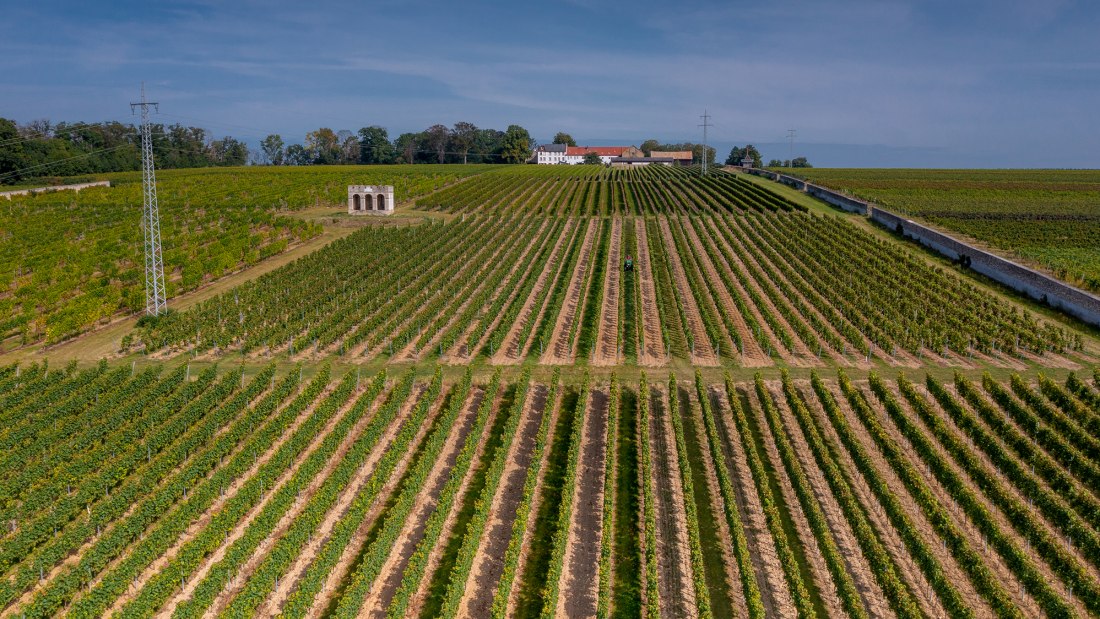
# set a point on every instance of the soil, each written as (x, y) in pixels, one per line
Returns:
(417, 599)
(800, 355)
(956, 575)
(766, 334)
(560, 350)
(652, 352)
(856, 564)
(998, 516)
(581, 568)
(389, 578)
(230, 491)
(607, 348)
(752, 355)
(460, 353)
(511, 349)
(674, 574)
(774, 590)
(336, 513)
(536, 499)
(704, 352)
(488, 563)
(287, 520)
(907, 568)
(718, 507)
(806, 539)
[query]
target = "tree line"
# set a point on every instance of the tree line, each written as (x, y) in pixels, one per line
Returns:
(462, 143)
(44, 149)
(737, 154)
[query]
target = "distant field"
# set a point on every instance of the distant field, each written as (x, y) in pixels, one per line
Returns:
(68, 260)
(1048, 217)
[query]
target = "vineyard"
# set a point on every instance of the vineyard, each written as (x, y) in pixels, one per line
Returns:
(69, 260)
(478, 410)
(593, 190)
(1050, 218)
(237, 493)
(751, 288)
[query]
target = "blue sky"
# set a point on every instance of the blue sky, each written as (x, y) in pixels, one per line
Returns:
(963, 83)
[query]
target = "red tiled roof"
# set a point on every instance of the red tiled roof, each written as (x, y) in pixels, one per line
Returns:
(603, 151)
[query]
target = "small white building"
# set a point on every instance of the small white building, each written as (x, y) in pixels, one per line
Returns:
(549, 154)
(370, 200)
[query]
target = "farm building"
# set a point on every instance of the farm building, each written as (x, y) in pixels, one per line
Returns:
(681, 157)
(573, 155)
(370, 199)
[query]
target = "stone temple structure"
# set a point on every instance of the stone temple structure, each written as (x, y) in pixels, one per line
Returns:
(370, 200)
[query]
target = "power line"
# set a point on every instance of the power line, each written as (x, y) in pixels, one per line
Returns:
(790, 136)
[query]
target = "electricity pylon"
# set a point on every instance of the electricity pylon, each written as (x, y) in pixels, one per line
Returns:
(155, 303)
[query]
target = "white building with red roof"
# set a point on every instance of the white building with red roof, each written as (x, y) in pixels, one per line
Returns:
(573, 155)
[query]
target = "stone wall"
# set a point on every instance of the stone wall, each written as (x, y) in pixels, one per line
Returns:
(1043, 288)
(1034, 284)
(75, 187)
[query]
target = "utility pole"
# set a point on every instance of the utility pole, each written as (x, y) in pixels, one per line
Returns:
(706, 123)
(790, 136)
(155, 304)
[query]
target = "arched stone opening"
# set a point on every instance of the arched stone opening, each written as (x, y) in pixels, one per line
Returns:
(356, 202)
(381, 202)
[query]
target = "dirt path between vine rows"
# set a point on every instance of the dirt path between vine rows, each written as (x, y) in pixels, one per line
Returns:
(581, 567)
(751, 355)
(606, 351)
(731, 570)
(420, 596)
(998, 516)
(956, 575)
(607, 339)
(460, 352)
(703, 353)
(806, 539)
(228, 494)
(287, 519)
(554, 410)
(241, 526)
(652, 351)
(766, 336)
(511, 349)
(674, 573)
(560, 350)
(908, 570)
(412, 532)
(308, 554)
(774, 590)
(484, 576)
(854, 560)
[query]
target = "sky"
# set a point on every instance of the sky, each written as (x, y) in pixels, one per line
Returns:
(864, 83)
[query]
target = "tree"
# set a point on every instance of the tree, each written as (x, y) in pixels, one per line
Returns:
(374, 145)
(296, 154)
(487, 146)
(516, 145)
(564, 138)
(437, 137)
(462, 138)
(737, 154)
(349, 146)
(323, 146)
(407, 144)
(649, 146)
(775, 163)
(800, 162)
(228, 151)
(272, 149)
(592, 157)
